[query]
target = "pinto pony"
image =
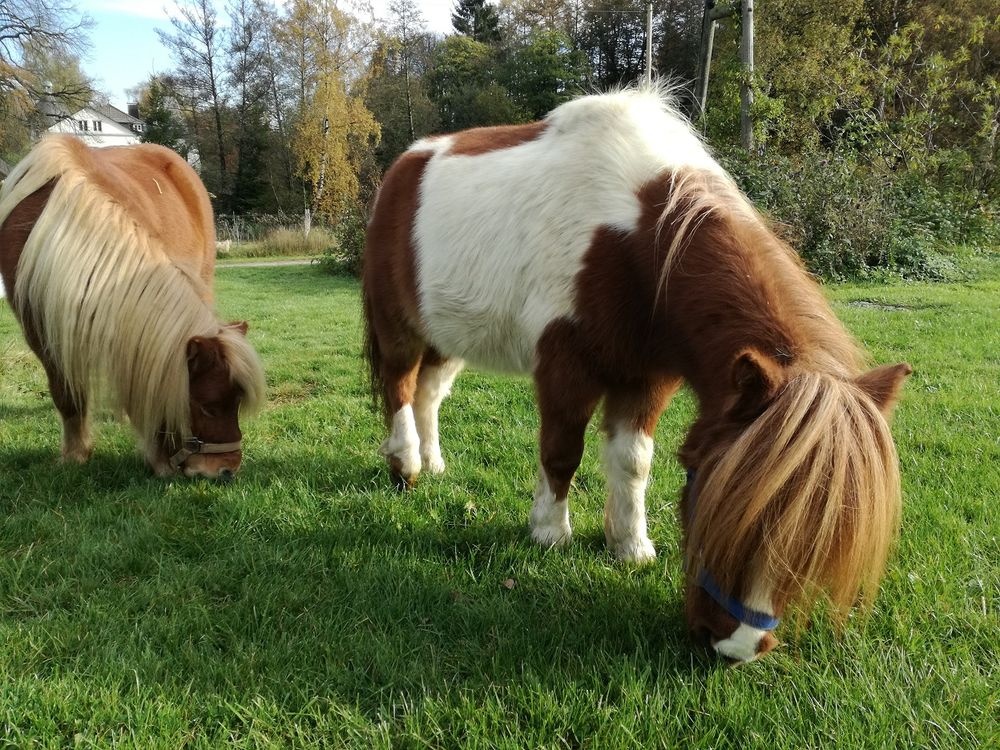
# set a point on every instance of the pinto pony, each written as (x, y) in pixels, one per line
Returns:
(604, 251)
(108, 256)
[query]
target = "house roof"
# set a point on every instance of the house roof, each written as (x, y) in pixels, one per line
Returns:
(57, 111)
(113, 113)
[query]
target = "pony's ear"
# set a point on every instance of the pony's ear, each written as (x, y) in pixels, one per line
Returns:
(202, 354)
(757, 378)
(239, 325)
(883, 385)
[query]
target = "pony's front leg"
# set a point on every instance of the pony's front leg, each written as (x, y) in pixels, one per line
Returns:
(629, 421)
(566, 401)
(433, 385)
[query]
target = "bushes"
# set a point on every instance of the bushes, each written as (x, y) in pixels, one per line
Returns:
(343, 256)
(849, 221)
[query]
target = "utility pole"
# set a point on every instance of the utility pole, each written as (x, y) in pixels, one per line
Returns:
(711, 16)
(649, 43)
(746, 88)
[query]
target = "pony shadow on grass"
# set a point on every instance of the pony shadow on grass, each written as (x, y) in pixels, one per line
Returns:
(19, 411)
(360, 605)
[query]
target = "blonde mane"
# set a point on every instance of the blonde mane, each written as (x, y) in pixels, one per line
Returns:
(117, 319)
(807, 499)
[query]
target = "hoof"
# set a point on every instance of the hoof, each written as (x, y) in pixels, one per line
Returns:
(401, 479)
(76, 455)
(552, 536)
(634, 551)
(433, 464)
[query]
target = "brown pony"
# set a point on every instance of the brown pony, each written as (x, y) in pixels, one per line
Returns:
(605, 251)
(108, 256)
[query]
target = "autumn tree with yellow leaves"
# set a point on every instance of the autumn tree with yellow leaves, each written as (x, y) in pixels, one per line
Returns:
(334, 133)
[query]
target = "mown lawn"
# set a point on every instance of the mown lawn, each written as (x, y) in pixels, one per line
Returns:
(309, 604)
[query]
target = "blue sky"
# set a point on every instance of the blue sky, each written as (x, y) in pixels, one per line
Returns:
(125, 50)
(124, 47)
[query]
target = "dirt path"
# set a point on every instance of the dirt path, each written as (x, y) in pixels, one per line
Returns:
(267, 263)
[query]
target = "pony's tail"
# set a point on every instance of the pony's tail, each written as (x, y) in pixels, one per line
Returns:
(373, 356)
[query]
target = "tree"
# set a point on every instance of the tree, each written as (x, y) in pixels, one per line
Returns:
(334, 131)
(462, 84)
(519, 18)
(477, 20)
(158, 109)
(397, 92)
(613, 36)
(196, 44)
(40, 45)
(247, 77)
(408, 24)
(544, 72)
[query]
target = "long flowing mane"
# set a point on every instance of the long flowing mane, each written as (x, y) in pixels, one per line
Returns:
(117, 319)
(807, 498)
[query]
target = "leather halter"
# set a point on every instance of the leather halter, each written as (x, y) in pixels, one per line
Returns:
(192, 445)
(706, 581)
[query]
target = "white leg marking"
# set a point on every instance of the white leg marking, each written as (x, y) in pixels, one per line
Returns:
(742, 644)
(549, 517)
(433, 385)
(628, 455)
(403, 443)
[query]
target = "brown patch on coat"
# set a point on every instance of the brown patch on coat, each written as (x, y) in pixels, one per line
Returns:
(567, 392)
(394, 344)
(14, 234)
(479, 141)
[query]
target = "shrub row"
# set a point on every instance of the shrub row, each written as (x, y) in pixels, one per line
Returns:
(850, 222)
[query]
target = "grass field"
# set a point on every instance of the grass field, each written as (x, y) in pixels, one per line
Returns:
(309, 604)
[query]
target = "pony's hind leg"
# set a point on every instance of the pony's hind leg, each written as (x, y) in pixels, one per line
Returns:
(566, 401)
(433, 385)
(402, 448)
(629, 421)
(77, 444)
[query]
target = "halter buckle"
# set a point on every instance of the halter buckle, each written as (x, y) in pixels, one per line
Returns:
(193, 445)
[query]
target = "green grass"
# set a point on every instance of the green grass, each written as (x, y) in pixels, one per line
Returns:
(309, 604)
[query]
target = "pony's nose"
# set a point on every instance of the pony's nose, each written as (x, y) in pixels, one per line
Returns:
(226, 476)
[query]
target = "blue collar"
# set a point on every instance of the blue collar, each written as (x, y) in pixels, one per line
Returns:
(752, 617)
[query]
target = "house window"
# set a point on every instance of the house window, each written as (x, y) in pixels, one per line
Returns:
(83, 125)
(97, 126)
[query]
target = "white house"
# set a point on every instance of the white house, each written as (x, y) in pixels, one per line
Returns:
(101, 125)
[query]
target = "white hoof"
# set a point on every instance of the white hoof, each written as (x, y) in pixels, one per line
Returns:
(552, 535)
(636, 551)
(433, 464)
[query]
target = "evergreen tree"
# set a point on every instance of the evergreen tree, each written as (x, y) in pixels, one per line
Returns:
(477, 20)
(158, 109)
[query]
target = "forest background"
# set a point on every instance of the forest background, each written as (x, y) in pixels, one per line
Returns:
(875, 121)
